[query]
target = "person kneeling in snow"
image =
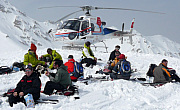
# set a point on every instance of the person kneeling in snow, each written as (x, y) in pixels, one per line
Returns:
(52, 54)
(88, 56)
(163, 74)
(122, 70)
(30, 83)
(114, 62)
(58, 81)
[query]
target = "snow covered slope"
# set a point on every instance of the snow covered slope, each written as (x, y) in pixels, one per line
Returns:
(21, 29)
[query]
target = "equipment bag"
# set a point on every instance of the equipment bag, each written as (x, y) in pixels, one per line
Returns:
(29, 101)
(150, 71)
(5, 70)
(124, 68)
(8, 93)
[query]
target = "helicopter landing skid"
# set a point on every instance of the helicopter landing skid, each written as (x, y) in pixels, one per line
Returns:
(101, 46)
(72, 47)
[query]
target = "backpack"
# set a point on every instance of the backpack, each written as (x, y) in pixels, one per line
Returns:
(150, 71)
(5, 70)
(78, 69)
(18, 66)
(124, 67)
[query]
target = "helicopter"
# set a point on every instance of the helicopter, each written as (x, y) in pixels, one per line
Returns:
(77, 31)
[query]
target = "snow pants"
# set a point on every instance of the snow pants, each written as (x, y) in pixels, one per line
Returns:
(88, 61)
(50, 86)
(174, 76)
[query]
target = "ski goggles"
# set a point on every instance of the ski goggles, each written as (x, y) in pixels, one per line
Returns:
(27, 70)
(28, 67)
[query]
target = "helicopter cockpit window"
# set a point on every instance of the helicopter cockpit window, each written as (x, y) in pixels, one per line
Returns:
(71, 24)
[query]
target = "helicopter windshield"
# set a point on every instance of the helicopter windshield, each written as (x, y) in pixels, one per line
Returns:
(71, 24)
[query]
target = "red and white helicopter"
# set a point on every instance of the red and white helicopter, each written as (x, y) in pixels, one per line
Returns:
(88, 28)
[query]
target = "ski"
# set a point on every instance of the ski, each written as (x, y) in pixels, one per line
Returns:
(54, 100)
(153, 84)
(47, 101)
(138, 79)
(93, 79)
(105, 78)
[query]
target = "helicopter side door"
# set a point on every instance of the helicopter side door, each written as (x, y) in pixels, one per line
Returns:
(84, 28)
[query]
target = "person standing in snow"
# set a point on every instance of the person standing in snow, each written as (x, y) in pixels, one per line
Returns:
(88, 56)
(30, 83)
(31, 57)
(114, 53)
(52, 54)
(163, 74)
(59, 80)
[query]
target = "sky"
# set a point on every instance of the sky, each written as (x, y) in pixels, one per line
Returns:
(147, 24)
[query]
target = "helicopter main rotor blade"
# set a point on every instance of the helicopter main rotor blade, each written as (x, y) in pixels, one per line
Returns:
(56, 7)
(130, 10)
(67, 16)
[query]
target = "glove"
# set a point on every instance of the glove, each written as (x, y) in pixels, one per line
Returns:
(109, 62)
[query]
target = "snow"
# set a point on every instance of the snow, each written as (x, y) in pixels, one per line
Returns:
(118, 94)
(115, 95)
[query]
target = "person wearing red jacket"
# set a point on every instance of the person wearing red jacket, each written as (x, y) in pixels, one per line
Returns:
(34, 48)
(70, 65)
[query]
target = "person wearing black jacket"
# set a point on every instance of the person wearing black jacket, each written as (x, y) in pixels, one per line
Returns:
(30, 83)
(114, 53)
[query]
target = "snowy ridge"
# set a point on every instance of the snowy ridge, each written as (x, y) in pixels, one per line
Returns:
(156, 44)
(22, 29)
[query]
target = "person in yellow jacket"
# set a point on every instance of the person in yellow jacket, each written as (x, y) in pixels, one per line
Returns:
(30, 57)
(114, 62)
(88, 56)
(52, 54)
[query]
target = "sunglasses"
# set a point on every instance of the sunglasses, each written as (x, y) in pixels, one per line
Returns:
(28, 70)
(117, 48)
